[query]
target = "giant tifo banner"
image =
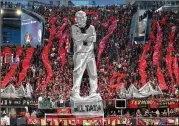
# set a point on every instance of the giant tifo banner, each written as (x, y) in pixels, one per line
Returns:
(31, 30)
(109, 121)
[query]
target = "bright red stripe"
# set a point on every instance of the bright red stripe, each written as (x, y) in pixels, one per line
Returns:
(25, 65)
(13, 68)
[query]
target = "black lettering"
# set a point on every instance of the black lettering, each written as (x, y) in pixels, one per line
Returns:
(79, 110)
(75, 109)
(94, 107)
(82, 108)
(87, 107)
(24, 102)
(1, 102)
(91, 108)
(99, 108)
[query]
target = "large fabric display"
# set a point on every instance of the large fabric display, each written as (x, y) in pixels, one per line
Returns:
(103, 42)
(143, 63)
(11, 92)
(145, 91)
(112, 121)
(158, 46)
(169, 60)
(46, 52)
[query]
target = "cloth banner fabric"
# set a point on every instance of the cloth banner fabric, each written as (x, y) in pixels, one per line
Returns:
(161, 79)
(62, 39)
(160, 76)
(143, 63)
(148, 90)
(158, 45)
(153, 103)
(34, 121)
(98, 121)
(169, 60)
(176, 69)
(103, 42)
(6, 50)
(66, 110)
(45, 54)
(157, 121)
(110, 121)
(87, 106)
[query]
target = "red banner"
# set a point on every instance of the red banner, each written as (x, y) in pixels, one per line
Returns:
(103, 42)
(160, 76)
(112, 121)
(158, 45)
(45, 54)
(6, 50)
(143, 64)
(108, 121)
(62, 39)
(161, 79)
(153, 103)
(169, 60)
(34, 121)
(156, 121)
(66, 110)
(176, 69)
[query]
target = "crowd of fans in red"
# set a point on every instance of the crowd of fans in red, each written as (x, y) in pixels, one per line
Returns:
(120, 55)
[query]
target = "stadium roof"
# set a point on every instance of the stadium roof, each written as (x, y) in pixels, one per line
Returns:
(132, 1)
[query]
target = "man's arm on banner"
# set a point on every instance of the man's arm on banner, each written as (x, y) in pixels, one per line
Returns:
(78, 36)
(93, 37)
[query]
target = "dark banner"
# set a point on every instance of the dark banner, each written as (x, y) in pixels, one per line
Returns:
(18, 102)
(153, 103)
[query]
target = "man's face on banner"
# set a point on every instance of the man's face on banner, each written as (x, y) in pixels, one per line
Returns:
(81, 20)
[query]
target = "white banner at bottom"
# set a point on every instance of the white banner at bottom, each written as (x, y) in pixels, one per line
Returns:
(87, 107)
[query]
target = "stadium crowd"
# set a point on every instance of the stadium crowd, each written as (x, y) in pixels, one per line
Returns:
(120, 55)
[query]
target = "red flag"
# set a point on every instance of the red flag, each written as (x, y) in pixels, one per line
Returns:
(154, 24)
(161, 79)
(152, 36)
(164, 21)
(176, 69)
(143, 64)
(118, 85)
(6, 50)
(103, 42)
(115, 74)
(121, 76)
(158, 45)
(62, 56)
(67, 45)
(169, 64)
(169, 60)
(53, 20)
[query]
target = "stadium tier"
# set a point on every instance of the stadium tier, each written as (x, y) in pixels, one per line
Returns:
(137, 61)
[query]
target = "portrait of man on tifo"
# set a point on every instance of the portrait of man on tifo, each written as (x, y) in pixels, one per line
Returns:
(84, 37)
